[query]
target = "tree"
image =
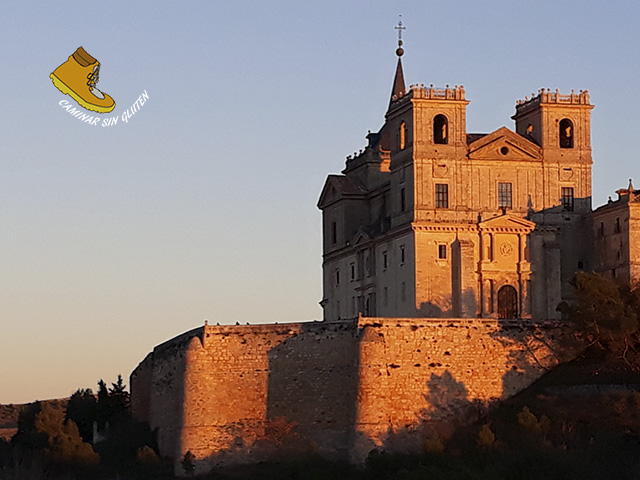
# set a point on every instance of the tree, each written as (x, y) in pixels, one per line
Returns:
(82, 409)
(44, 428)
(119, 398)
(113, 403)
(601, 307)
(28, 436)
(607, 312)
(188, 463)
(486, 437)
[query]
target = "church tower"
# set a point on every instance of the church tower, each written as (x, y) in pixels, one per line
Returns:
(561, 126)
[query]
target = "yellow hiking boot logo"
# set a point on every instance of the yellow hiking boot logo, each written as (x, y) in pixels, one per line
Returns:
(77, 77)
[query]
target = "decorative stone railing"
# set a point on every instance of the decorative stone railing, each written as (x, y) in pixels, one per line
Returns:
(547, 96)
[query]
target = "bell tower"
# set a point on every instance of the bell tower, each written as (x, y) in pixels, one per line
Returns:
(425, 136)
(560, 124)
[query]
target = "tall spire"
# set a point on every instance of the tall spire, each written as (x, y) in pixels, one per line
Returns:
(398, 89)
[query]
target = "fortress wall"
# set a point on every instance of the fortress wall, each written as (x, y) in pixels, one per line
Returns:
(253, 391)
(244, 394)
(422, 377)
(140, 381)
(157, 387)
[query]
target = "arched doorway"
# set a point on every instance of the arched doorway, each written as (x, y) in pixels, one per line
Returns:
(507, 302)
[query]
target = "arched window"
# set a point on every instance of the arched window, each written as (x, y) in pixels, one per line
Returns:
(566, 133)
(403, 135)
(440, 129)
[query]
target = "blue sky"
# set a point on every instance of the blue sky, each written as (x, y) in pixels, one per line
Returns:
(202, 206)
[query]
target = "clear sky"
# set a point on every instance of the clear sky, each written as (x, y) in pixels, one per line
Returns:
(202, 206)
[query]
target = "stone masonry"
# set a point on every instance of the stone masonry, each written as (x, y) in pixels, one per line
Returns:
(238, 394)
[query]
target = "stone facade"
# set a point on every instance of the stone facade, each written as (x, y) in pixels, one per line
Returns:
(616, 236)
(431, 221)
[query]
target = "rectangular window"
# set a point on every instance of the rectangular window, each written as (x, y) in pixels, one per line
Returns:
(601, 229)
(402, 254)
(442, 195)
(371, 262)
(567, 198)
(352, 267)
(505, 197)
(334, 233)
(616, 228)
(442, 252)
(491, 299)
(403, 200)
(360, 304)
(337, 277)
(385, 260)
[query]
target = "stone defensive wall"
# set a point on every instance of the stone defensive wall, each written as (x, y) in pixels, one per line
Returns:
(241, 394)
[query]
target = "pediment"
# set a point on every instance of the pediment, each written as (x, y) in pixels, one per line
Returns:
(338, 186)
(504, 144)
(360, 238)
(508, 223)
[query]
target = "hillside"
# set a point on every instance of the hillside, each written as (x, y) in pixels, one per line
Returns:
(9, 414)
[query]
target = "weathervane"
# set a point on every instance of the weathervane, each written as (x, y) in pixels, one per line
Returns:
(400, 28)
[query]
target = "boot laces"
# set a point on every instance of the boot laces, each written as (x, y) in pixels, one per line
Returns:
(94, 77)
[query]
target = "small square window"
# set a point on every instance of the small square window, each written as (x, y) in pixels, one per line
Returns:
(442, 252)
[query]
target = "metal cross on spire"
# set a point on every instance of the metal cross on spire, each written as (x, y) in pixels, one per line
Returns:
(400, 28)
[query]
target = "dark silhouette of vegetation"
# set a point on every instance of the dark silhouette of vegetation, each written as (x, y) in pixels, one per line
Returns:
(54, 442)
(188, 463)
(82, 409)
(607, 313)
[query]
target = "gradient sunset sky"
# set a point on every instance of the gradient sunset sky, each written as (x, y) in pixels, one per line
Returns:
(203, 205)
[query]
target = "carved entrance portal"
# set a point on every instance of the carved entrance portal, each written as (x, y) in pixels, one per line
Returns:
(507, 302)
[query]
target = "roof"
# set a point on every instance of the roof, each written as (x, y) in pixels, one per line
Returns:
(337, 186)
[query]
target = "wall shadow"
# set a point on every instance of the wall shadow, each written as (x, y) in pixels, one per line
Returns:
(313, 385)
(310, 388)
(448, 407)
(464, 303)
(535, 347)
